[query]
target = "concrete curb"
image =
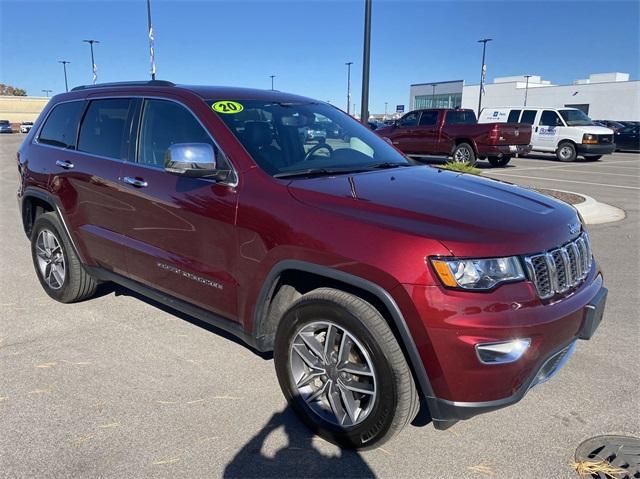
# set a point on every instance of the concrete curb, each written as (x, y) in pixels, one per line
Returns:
(594, 213)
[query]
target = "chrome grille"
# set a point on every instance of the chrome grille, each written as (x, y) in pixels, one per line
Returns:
(559, 270)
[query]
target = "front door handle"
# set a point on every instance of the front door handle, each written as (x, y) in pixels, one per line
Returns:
(137, 182)
(67, 165)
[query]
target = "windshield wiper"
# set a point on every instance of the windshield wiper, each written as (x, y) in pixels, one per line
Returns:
(387, 164)
(319, 172)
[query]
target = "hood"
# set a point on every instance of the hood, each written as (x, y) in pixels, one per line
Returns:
(471, 216)
(595, 130)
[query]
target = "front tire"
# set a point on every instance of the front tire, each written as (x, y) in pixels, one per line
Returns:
(566, 152)
(499, 162)
(463, 153)
(342, 370)
(59, 270)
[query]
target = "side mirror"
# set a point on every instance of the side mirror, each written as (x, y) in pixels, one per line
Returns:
(194, 160)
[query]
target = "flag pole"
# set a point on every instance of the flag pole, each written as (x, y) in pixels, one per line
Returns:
(151, 41)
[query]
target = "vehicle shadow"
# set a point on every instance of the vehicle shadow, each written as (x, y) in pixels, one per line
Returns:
(298, 458)
(105, 289)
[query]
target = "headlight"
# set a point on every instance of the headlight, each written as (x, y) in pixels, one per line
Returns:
(589, 139)
(477, 274)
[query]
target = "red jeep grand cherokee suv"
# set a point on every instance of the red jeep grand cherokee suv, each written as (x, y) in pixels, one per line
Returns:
(378, 284)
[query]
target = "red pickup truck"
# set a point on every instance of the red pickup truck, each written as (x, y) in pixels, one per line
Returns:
(456, 133)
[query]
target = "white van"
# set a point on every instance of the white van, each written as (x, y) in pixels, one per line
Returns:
(567, 132)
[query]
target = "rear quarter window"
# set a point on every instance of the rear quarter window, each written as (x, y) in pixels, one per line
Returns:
(528, 117)
(61, 126)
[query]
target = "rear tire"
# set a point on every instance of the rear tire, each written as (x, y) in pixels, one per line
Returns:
(566, 152)
(321, 380)
(463, 153)
(499, 162)
(592, 157)
(59, 270)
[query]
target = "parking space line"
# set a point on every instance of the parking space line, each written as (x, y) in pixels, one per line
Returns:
(568, 181)
(627, 175)
(568, 166)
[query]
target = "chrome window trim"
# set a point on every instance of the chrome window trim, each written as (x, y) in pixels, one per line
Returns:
(233, 184)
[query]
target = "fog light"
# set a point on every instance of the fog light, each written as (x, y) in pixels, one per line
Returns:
(502, 352)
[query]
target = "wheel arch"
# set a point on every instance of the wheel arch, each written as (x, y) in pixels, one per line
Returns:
(264, 327)
(470, 141)
(35, 201)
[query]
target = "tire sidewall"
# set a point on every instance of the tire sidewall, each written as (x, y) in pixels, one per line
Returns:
(379, 420)
(43, 222)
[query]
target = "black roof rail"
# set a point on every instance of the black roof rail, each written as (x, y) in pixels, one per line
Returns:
(125, 83)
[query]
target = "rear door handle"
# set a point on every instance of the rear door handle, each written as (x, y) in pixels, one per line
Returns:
(137, 182)
(67, 165)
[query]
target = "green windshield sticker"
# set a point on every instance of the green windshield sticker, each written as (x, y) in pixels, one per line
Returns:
(227, 106)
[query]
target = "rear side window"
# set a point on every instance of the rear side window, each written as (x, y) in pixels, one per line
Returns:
(460, 117)
(61, 126)
(103, 127)
(513, 116)
(429, 118)
(528, 117)
(165, 123)
(550, 118)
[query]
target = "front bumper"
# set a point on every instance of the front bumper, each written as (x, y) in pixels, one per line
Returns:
(464, 387)
(595, 149)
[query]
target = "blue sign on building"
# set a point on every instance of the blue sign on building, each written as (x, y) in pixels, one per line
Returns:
(399, 108)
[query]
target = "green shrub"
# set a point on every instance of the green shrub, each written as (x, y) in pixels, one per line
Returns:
(461, 168)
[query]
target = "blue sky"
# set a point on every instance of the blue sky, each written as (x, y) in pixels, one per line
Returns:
(305, 43)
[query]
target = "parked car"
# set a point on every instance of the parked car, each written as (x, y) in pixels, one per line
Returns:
(613, 125)
(378, 284)
(316, 134)
(630, 123)
(455, 132)
(566, 132)
(25, 126)
(628, 138)
(5, 126)
(375, 124)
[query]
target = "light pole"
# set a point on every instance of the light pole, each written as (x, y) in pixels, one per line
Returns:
(272, 77)
(483, 72)
(94, 69)
(152, 58)
(433, 95)
(526, 89)
(348, 85)
(64, 65)
(366, 58)
(385, 110)
(47, 92)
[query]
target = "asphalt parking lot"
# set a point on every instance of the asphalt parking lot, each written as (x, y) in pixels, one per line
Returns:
(119, 386)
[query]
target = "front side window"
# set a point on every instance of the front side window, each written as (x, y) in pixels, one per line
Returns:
(429, 118)
(550, 118)
(306, 137)
(575, 118)
(410, 119)
(165, 123)
(513, 116)
(460, 117)
(61, 126)
(103, 127)
(528, 117)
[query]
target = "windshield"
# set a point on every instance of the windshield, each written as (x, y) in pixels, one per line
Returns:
(575, 118)
(304, 138)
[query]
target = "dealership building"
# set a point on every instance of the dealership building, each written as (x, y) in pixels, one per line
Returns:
(602, 96)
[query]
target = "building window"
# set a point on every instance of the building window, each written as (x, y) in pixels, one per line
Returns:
(440, 100)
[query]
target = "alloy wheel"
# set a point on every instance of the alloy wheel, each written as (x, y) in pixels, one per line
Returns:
(50, 259)
(462, 155)
(333, 373)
